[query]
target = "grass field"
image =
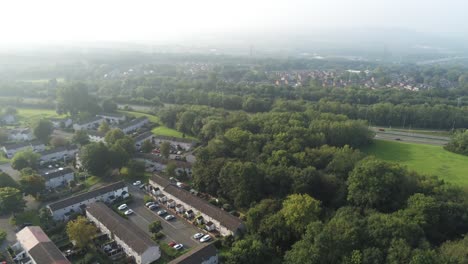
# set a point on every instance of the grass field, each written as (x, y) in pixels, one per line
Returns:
(29, 115)
(161, 129)
(426, 159)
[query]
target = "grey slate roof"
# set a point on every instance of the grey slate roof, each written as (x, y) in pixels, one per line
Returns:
(56, 173)
(127, 231)
(197, 255)
(86, 196)
(47, 252)
(229, 221)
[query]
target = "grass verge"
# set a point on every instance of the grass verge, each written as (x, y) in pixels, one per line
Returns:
(426, 159)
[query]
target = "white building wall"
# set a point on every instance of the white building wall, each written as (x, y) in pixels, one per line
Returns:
(60, 215)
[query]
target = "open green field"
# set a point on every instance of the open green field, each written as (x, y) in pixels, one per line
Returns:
(41, 81)
(161, 129)
(426, 159)
(30, 115)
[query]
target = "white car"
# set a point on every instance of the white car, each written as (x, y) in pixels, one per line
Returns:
(169, 217)
(178, 246)
(128, 212)
(198, 235)
(205, 238)
(136, 183)
(162, 212)
(122, 207)
(148, 204)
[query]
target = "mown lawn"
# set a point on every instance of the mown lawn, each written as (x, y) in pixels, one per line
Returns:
(426, 159)
(161, 130)
(30, 115)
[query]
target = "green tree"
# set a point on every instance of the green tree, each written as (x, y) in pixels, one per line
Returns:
(165, 149)
(113, 135)
(155, 226)
(104, 127)
(118, 157)
(133, 170)
(127, 143)
(109, 106)
(80, 137)
(170, 169)
(378, 184)
(249, 250)
(3, 136)
(58, 141)
(25, 159)
(81, 231)
(43, 129)
(11, 200)
(95, 158)
(300, 209)
(455, 251)
(147, 146)
(32, 184)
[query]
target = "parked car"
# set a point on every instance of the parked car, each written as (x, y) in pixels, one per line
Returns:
(153, 207)
(122, 207)
(172, 244)
(169, 217)
(178, 247)
(198, 235)
(162, 212)
(205, 238)
(137, 183)
(128, 212)
(148, 204)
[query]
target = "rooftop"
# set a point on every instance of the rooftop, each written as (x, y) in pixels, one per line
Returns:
(127, 231)
(57, 173)
(143, 136)
(58, 149)
(229, 221)
(39, 246)
(90, 120)
(116, 115)
(86, 196)
(133, 122)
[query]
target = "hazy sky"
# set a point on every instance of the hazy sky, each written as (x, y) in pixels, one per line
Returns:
(45, 21)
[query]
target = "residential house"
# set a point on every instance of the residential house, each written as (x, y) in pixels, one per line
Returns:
(20, 134)
(96, 136)
(35, 247)
(11, 149)
(159, 164)
(113, 118)
(178, 143)
(61, 122)
(62, 209)
(58, 154)
(224, 223)
(132, 239)
(60, 177)
(134, 125)
(202, 254)
(90, 124)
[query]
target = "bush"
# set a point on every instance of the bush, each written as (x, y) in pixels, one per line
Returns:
(3, 236)
(157, 236)
(148, 198)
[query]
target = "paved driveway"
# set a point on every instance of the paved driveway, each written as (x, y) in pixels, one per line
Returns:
(10, 171)
(175, 230)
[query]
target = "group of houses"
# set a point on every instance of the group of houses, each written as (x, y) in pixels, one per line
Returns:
(194, 207)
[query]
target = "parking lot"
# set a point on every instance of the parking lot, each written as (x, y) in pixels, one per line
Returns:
(177, 230)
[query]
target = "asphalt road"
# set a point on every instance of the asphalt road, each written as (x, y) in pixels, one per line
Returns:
(175, 230)
(411, 137)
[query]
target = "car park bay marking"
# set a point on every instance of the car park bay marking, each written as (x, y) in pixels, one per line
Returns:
(136, 214)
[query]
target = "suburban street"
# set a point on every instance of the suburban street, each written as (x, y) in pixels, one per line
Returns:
(175, 230)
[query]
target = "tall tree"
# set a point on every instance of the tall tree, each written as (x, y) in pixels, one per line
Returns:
(11, 200)
(43, 129)
(32, 184)
(113, 135)
(165, 149)
(80, 137)
(299, 209)
(94, 158)
(25, 159)
(104, 127)
(81, 232)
